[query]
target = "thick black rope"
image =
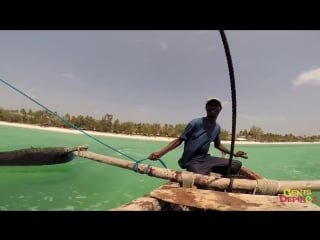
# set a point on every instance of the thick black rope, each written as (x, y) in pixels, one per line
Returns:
(234, 102)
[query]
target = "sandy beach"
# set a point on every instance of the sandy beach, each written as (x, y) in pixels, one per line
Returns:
(55, 129)
(73, 131)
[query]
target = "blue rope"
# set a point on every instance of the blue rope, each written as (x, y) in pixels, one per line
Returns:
(65, 121)
(72, 125)
(147, 171)
(163, 164)
(135, 166)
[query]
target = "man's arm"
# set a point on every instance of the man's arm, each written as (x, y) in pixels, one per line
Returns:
(172, 145)
(222, 148)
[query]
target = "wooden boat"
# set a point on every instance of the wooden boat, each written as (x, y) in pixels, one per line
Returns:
(38, 156)
(247, 191)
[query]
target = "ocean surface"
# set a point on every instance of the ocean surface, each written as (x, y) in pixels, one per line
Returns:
(86, 185)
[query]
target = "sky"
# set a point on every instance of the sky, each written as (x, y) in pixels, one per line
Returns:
(158, 76)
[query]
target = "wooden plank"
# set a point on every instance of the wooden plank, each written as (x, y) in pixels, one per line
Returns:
(140, 204)
(224, 201)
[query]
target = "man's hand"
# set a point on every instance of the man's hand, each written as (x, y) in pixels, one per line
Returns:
(154, 156)
(241, 154)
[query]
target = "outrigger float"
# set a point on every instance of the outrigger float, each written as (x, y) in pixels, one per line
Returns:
(39, 156)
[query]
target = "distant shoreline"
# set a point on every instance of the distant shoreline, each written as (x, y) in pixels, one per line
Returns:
(55, 129)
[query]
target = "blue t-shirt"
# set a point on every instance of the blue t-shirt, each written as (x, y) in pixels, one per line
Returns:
(197, 137)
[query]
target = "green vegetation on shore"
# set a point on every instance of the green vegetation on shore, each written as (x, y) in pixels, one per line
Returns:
(108, 125)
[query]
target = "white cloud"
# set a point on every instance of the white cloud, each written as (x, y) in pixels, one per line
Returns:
(262, 119)
(212, 48)
(139, 40)
(143, 109)
(163, 45)
(308, 78)
(68, 75)
(249, 118)
(224, 103)
(30, 94)
(268, 123)
(200, 32)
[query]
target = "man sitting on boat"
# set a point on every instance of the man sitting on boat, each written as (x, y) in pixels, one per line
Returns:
(197, 136)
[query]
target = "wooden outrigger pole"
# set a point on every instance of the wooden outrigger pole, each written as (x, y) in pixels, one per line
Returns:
(259, 186)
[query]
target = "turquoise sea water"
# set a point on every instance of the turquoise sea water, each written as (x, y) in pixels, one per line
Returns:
(83, 184)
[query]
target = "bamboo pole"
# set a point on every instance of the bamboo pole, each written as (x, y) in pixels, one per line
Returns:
(260, 186)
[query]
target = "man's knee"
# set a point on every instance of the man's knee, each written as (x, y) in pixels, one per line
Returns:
(196, 168)
(236, 166)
